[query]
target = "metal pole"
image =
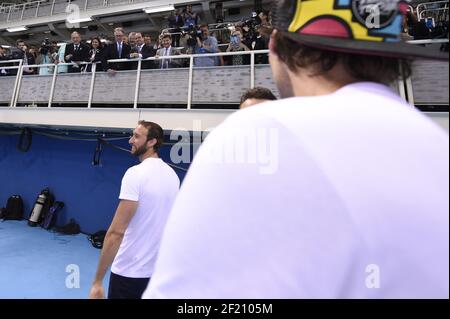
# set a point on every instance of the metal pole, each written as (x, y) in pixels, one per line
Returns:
(19, 83)
(53, 7)
(191, 81)
(37, 9)
(138, 82)
(91, 90)
(52, 89)
(23, 10)
(16, 83)
(252, 70)
(409, 91)
(9, 13)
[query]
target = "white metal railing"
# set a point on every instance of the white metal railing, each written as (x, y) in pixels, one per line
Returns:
(402, 83)
(84, 5)
(139, 62)
(439, 7)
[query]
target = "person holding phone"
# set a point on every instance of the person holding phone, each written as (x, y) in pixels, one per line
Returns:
(236, 45)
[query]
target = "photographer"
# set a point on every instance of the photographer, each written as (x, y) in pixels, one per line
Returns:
(206, 44)
(48, 55)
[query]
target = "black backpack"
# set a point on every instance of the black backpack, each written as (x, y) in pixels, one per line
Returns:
(71, 228)
(97, 239)
(14, 208)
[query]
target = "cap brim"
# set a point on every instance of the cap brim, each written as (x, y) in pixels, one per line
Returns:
(387, 49)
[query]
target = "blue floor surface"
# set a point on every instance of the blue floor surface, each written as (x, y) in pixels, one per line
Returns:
(37, 264)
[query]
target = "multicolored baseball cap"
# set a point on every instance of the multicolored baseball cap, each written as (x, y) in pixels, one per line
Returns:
(356, 26)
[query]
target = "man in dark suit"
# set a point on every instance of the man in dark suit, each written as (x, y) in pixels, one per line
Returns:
(142, 51)
(20, 52)
(117, 50)
(76, 52)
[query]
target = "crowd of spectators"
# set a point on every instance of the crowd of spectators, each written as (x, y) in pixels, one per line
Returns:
(185, 35)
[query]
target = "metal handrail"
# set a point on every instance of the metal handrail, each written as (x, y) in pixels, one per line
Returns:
(39, 4)
(425, 4)
(431, 10)
(191, 58)
(428, 41)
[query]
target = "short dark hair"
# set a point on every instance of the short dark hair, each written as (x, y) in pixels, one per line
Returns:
(259, 93)
(167, 36)
(154, 131)
(19, 41)
(362, 67)
(99, 41)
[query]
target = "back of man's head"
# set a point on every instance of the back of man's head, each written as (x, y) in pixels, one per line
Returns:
(256, 96)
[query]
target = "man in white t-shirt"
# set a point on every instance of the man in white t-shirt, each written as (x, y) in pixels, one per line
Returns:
(340, 190)
(132, 241)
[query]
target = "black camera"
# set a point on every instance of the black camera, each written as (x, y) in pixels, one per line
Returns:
(250, 27)
(45, 46)
(194, 34)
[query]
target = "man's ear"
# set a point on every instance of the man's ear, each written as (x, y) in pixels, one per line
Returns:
(152, 142)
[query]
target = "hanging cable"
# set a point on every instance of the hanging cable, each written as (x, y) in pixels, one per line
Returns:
(24, 146)
(97, 154)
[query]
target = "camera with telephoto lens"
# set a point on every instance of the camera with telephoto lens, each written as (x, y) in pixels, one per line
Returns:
(250, 27)
(46, 46)
(194, 34)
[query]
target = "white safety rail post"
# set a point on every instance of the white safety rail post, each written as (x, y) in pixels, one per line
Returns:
(53, 8)
(52, 88)
(19, 84)
(23, 11)
(91, 89)
(252, 70)
(138, 83)
(191, 82)
(401, 83)
(9, 13)
(37, 9)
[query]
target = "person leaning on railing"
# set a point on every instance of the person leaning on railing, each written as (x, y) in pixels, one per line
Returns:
(96, 53)
(117, 50)
(76, 53)
(236, 45)
(3, 57)
(168, 50)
